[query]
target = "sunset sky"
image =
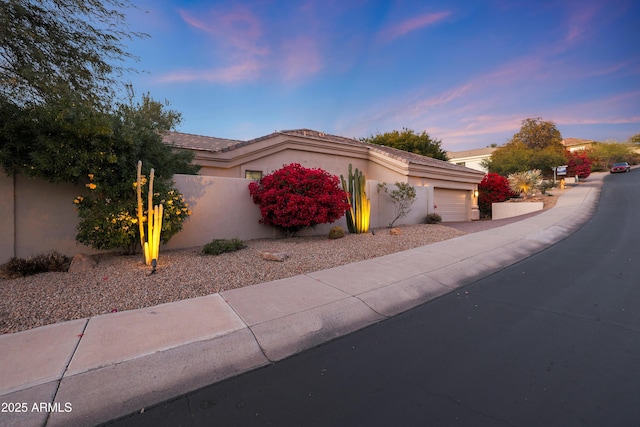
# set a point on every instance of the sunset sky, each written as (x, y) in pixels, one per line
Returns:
(467, 72)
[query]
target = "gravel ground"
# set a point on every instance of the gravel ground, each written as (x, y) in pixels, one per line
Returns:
(123, 282)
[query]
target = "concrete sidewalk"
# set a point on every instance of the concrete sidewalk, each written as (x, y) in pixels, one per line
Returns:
(89, 371)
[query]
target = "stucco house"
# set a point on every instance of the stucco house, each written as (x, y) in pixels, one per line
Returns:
(219, 197)
(575, 144)
(471, 158)
(453, 187)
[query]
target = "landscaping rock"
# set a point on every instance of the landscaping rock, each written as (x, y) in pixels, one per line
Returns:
(395, 231)
(274, 256)
(81, 263)
(336, 232)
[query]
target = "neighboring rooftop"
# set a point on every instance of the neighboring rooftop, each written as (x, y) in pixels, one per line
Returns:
(572, 142)
(471, 153)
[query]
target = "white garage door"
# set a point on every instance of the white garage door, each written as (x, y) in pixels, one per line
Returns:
(451, 204)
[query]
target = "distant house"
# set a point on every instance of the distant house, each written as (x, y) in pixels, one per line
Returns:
(575, 144)
(453, 185)
(471, 158)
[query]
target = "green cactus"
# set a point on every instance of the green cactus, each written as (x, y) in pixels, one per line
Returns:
(359, 212)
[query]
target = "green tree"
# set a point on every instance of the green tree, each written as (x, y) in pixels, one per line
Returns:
(63, 48)
(538, 134)
(605, 154)
(63, 141)
(635, 139)
(538, 145)
(107, 210)
(408, 140)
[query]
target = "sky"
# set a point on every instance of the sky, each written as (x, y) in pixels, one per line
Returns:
(467, 72)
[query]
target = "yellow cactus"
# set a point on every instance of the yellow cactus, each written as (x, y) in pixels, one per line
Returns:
(150, 247)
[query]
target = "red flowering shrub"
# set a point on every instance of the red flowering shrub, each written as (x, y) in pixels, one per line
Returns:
(493, 188)
(295, 197)
(578, 163)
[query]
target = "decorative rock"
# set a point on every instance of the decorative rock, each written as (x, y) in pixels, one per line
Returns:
(82, 262)
(336, 232)
(274, 256)
(395, 231)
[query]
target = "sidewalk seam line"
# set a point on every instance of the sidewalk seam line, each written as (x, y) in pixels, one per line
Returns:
(249, 328)
(66, 368)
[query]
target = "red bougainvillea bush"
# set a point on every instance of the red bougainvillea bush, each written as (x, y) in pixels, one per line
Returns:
(493, 188)
(296, 197)
(578, 163)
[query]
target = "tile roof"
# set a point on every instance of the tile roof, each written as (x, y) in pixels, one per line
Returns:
(216, 145)
(201, 143)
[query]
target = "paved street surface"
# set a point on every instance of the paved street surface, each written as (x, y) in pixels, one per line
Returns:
(553, 340)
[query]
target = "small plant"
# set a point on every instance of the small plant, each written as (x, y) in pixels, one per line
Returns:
(545, 185)
(433, 218)
(336, 232)
(20, 267)
(221, 246)
(524, 182)
(403, 197)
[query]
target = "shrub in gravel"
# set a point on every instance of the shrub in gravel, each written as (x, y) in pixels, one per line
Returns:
(220, 246)
(21, 267)
(433, 218)
(295, 197)
(336, 233)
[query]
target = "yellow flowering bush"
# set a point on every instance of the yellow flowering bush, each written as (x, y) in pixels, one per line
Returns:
(108, 217)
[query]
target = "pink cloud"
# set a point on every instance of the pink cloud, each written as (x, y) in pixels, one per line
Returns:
(579, 23)
(300, 58)
(239, 29)
(607, 110)
(234, 73)
(412, 24)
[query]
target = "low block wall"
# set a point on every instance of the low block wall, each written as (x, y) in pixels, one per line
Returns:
(510, 209)
(37, 216)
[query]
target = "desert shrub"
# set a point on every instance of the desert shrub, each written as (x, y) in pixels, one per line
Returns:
(295, 197)
(524, 182)
(108, 213)
(21, 267)
(433, 218)
(221, 246)
(545, 185)
(336, 232)
(493, 188)
(402, 197)
(578, 163)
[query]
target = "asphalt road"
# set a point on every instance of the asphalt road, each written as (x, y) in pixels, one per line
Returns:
(551, 341)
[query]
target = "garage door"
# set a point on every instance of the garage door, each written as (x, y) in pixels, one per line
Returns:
(451, 204)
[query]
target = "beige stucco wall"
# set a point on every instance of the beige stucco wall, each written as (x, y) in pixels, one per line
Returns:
(334, 163)
(508, 210)
(45, 219)
(6, 217)
(223, 209)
